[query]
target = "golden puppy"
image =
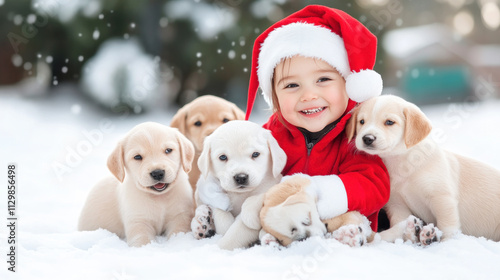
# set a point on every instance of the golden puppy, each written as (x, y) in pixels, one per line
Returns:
(150, 193)
(290, 214)
(454, 192)
(199, 118)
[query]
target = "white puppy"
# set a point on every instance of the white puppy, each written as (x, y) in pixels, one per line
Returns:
(240, 159)
(454, 192)
(150, 194)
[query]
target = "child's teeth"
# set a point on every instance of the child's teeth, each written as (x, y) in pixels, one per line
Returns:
(312, 111)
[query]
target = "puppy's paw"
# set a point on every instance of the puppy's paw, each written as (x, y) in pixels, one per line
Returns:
(429, 234)
(202, 224)
(269, 240)
(351, 235)
(417, 232)
(413, 227)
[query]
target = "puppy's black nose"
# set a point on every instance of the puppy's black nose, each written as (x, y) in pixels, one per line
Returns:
(241, 179)
(368, 139)
(157, 174)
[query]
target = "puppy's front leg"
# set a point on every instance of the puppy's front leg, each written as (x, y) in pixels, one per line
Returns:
(397, 210)
(180, 223)
(245, 229)
(222, 220)
(238, 236)
(412, 229)
(445, 209)
(139, 234)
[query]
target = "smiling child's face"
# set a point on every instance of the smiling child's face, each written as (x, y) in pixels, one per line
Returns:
(310, 92)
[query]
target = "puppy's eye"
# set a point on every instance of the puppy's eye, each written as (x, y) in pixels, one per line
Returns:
(168, 151)
(223, 157)
(306, 223)
(294, 230)
(138, 157)
(362, 122)
(198, 123)
(225, 120)
(255, 154)
(389, 122)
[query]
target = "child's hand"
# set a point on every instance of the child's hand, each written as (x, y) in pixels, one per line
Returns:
(211, 193)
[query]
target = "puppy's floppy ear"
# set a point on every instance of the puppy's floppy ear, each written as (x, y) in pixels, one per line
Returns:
(179, 119)
(417, 126)
(350, 128)
(238, 114)
(294, 199)
(278, 156)
(204, 159)
(115, 162)
(187, 151)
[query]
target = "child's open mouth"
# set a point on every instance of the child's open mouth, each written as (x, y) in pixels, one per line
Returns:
(312, 111)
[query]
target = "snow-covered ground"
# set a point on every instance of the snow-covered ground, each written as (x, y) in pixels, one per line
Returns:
(60, 145)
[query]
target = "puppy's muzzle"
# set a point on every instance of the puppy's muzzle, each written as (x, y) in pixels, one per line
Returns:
(157, 174)
(241, 179)
(368, 139)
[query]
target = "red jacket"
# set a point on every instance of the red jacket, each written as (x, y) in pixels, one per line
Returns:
(364, 176)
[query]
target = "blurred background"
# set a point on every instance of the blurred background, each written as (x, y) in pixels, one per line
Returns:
(143, 55)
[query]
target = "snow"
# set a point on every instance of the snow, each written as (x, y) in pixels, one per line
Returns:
(65, 11)
(122, 73)
(65, 129)
(405, 41)
(208, 20)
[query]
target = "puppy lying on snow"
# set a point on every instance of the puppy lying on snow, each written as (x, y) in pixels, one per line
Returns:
(289, 213)
(240, 161)
(150, 193)
(454, 192)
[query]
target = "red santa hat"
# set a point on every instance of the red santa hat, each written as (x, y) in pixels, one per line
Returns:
(318, 32)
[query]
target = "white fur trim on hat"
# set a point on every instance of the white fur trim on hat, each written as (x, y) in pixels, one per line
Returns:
(299, 38)
(363, 85)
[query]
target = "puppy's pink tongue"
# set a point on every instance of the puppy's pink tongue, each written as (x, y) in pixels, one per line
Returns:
(159, 186)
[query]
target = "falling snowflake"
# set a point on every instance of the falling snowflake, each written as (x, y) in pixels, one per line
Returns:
(96, 34)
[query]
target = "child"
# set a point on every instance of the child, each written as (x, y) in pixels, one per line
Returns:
(313, 66)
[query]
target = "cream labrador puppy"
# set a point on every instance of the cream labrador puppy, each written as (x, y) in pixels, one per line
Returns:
(289, 213)
(149, 194)
(454, 192)
(199, 118)
(240, 161)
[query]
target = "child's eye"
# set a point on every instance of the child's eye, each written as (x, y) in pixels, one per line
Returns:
(291, 85)
(324, 79)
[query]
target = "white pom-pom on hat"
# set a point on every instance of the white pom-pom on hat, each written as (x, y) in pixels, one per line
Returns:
(363, 85)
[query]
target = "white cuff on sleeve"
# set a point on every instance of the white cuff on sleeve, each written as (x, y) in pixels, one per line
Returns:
(331, 195)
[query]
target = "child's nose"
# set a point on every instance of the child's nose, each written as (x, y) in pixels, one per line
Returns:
(309, 94)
